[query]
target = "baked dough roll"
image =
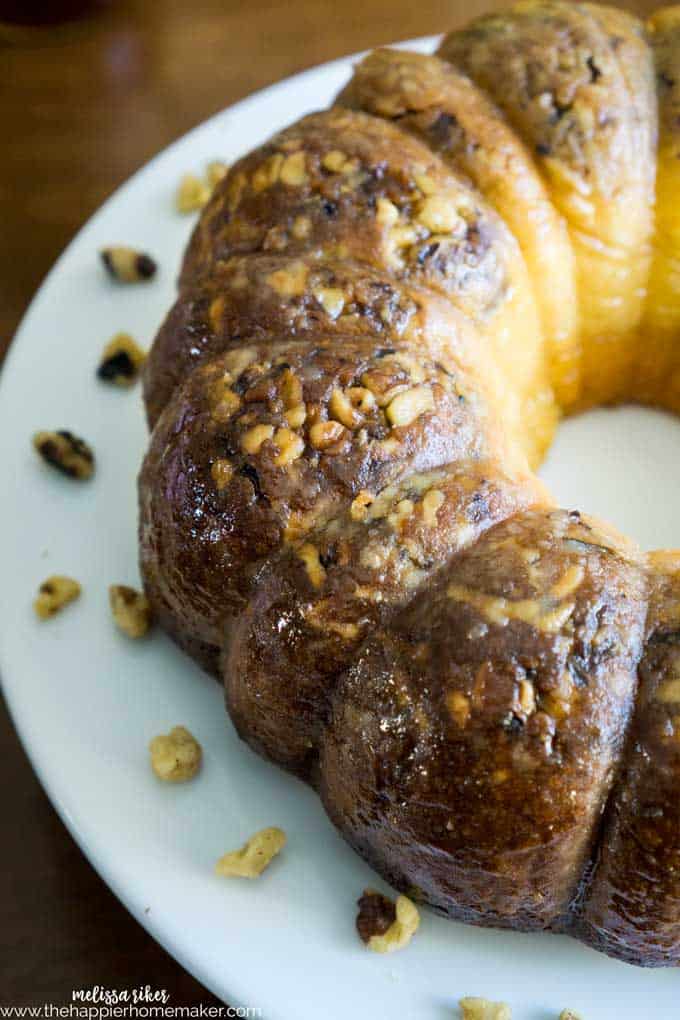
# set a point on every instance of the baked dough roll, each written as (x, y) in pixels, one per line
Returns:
(659, 361)
(343, 185)
(472, 744)
(432, 100)
(316, 603)
(631, 906)
(576, 81)
(278, 297)
(265, 442)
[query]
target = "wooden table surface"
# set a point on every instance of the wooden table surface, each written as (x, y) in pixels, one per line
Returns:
(90, 100)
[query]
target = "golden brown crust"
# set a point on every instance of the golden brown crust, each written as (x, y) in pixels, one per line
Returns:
(266, 442)
(432, 100)
(471, 745)
(664, 27)
(346, 187)
(658, 365)
(265, 296)
(304, 626)
(282, 198)
(337, 515)
(631, 907)
(577, 83)
(566, 76)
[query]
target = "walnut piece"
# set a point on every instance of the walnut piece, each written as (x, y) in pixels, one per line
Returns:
(409, 405)
(128, 265)
(325, 433)
(293, 170)
(331, 299)
(236, 362)
(316, 571)
(376, 914)
(438, 214)
(289, 282)
(527, 697)
(225, 402)
(290, 389)
(302, 227)
(267, 174)
(176, 756)
(361, 398)
(131, 610)
(121, 360)
(55, 593)
(215, 171)
(296, 416)
(384, 926)
(482, 1009)
(222, 473)
(387, 213)
(341, 408)
(65, 452)
(402, 511)
(290, 444)
(334, 161)
(251, 860)
(360, 504)
(432, 500)
(252, 440)
(192, 194)
(384, 381)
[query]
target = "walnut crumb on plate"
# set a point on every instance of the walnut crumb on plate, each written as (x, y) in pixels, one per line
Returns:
(130, 609)
(473, 1008)
(121, 361)
(66, 453)
(176, 756)
(385, 926)
(127, 265)
(192, 194)
(55, 593)
(256, 855)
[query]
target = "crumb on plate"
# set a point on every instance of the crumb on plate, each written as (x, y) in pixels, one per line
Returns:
(66, 453)
(192, 194)
(176, 756)
(473, 1008)
(252, 858)
(384, 926)
(121, 361)
(130, 609)
(55, 593)
(127, 265)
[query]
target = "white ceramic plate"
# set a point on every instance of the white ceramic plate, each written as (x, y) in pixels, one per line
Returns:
(86, 701)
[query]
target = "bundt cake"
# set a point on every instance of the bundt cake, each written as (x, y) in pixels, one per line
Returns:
(382, 313)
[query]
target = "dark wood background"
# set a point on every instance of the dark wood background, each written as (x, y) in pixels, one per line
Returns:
(83, 103)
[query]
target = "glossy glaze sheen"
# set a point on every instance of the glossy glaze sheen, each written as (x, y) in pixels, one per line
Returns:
(337, 509)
